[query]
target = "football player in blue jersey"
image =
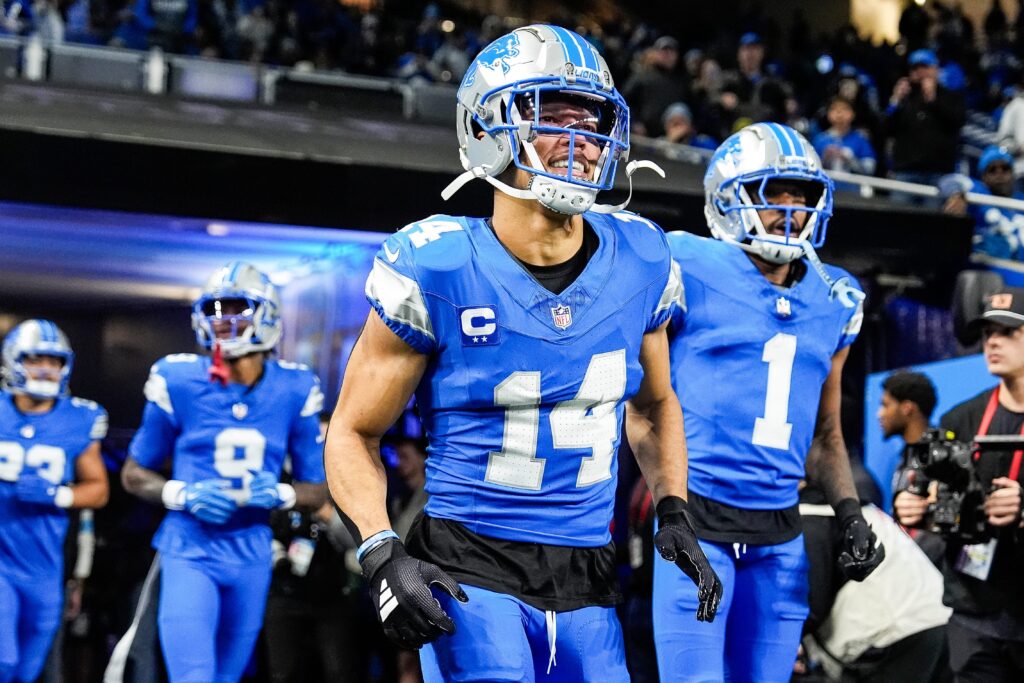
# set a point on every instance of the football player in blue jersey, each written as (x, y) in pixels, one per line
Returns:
(524, 337)
(757, 358)
(49, 462)
(227, 421)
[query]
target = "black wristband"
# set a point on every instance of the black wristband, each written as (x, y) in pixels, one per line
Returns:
(846, 510)
(668, 507)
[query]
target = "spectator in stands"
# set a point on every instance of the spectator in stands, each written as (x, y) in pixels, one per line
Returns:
(167, 24)
(1011, 129)
(923, 120)
(254, 31)
(998, 232)
(678, 124)
(842, 148)
(749, 63)
(16, 17)
(655, 86)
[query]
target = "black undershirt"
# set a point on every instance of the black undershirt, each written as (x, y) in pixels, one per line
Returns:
(547, 577)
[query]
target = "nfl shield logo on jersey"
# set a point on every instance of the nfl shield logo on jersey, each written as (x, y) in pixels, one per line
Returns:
(562, 315)
(783, 307)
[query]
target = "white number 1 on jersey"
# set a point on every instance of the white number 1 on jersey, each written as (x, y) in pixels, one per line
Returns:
(772, 430)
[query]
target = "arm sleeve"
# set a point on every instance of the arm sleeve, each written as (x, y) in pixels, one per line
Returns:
(394, 292)
(304, 442)
(154, 441)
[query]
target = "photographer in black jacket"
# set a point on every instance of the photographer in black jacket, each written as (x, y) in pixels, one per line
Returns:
(985, 581)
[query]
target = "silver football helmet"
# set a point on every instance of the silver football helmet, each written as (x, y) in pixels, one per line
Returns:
(243, 297)
(36, 338)
(499, 116)
(734, 191)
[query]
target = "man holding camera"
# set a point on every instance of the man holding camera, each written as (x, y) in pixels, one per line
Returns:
(985, 576)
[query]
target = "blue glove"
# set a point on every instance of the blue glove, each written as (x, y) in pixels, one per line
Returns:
(265, 492)
(31, 488)
(209, 502)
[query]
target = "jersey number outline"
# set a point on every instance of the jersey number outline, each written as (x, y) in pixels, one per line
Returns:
(237, 470)
(48, 461)
(773, 430)
(587, 421)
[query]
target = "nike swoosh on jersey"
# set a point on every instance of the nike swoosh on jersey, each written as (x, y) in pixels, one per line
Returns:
(392, 255)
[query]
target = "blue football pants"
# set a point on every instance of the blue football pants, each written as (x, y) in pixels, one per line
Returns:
(757, 631)
(209, 617)
(501, 638)
(29, 616)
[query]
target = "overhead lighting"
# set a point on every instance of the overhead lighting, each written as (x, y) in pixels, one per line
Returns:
(447, 25)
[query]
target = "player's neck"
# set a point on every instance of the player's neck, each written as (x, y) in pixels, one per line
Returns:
(534, 234)
(1011, 393)
(246, 370)
(31, 405)
(775, 273)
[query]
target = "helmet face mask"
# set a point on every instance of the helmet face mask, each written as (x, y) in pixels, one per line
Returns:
(23, 350)
(239, 311)
(505, 103)
(758, 164)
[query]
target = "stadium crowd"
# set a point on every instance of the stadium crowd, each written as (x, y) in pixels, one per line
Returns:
(892, 110)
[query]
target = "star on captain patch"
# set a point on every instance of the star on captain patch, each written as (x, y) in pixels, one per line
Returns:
(562, 315)
(782, 306)
(239, 410)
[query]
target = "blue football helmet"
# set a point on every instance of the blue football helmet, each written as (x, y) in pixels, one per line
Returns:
(499, 116)
(734, 185)
(36, 338)
(243, 297)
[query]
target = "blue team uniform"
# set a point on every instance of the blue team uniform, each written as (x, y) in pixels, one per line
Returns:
(748, 362)
(522, 401)
(32, 536)
(214, 578)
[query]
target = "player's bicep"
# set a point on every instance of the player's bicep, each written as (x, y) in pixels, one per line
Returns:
(656, 384)
(382, 373)
(89, 467)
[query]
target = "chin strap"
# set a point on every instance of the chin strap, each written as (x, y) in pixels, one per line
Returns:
(848, 295)
(631, 168)
(218, 370)
(463, 178)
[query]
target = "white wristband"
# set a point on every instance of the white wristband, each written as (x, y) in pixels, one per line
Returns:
(173, 494)
(64, 497)
(287, 495)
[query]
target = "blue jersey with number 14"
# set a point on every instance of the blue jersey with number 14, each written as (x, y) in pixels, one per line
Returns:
(748, 363)
(523, 397)
(227, 432)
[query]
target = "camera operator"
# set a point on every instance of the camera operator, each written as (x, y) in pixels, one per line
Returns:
(984, 573)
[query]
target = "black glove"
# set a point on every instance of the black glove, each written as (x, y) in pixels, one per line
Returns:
(860, 551)
(400, 588)
(677, 542)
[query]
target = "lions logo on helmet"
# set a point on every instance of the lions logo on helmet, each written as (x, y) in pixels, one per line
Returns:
(734, 186)
(242, 301)
(36, 338)
(499, 117)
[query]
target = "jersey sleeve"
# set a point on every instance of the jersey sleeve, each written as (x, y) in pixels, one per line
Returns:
(305, 445)
(852, 323)
(154, 440)
(100, 422)
(394, 292)
(672, 300)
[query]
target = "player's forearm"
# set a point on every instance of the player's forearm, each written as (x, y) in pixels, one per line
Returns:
(357, 481)
(828, 466)
(656, 435)
(143, 482)
(90, 494)
(309, 497)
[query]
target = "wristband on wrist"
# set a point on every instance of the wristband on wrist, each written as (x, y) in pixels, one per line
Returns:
(374, 541)
(173, 494)
(668, 506)
(846, 510)
(286, 492)
(64, 497)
